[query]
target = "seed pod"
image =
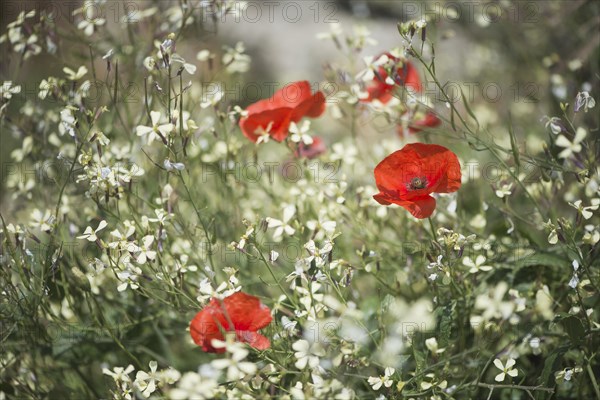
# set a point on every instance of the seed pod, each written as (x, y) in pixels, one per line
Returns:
(80, 280)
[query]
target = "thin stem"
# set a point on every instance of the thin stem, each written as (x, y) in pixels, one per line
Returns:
(590, 372)
(266, 263)
(518, 387)
(200, 219)
(472, 134)
(71, 169)
(433, 230)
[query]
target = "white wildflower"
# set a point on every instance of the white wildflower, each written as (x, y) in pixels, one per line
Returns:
(377, 382)
(573, 147)
(477, 265)
(299, 133)
(507, 369)
(90, 233)
(282, 226)
(146, 381)
(236, 368)
(156, 130)
(307, 354)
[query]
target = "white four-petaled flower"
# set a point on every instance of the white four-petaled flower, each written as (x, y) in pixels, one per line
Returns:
(156, 130)
(119, 374)
(507, 369)
(90, 233)
(573, 147)
(505, 190)
(377, 381)
(299, 133)
(477, 265)
(236, 368)
(586, 212)
(146, 382)
(307, 354)
(282, 226)
(75, 76)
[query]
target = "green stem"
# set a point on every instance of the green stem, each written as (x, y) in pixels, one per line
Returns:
(518, 387)
(200, 219)
(472, 134)
(433, 230)
(266, 263)
(588, 368)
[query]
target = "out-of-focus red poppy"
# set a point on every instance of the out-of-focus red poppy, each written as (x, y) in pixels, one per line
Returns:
(313, 150)
(403, 74)
(240, 313)
(420, 122)
(289, 104)
(430, 120)
(408, 176)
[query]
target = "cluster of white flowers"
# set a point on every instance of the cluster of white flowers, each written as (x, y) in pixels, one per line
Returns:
(145, 382)
(234, 59)
(234, 362)
(106, 181)
(20, 37)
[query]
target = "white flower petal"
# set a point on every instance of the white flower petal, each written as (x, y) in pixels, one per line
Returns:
(500, 377)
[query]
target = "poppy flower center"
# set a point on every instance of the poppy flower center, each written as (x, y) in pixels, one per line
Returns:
(417, 183)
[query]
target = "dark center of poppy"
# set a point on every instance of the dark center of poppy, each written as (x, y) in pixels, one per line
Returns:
(417, 183)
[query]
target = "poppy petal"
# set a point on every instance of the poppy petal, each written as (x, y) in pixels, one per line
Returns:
(240, 312)
(430, 120)
(419, 208)
(394, 173)
(292, 95)
(254, 339)
(378, 90)
(409, 77)
(382, 199)
(247, 312)
(441, 166)
(312, 107)
(279, 119)
(404, 74)
(207, 325)
(288, 96)
(290, 103)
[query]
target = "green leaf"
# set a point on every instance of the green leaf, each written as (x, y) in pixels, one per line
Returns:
(543, 259)
(550, 366)
(420, 358)
(513, 142)
(387, 302)
(574, 328)
(445, 325)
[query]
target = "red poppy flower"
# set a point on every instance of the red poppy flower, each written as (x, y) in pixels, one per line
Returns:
(420, 122)
(240, 313)
(313, 150)
(289, 104)
(408, 176)
(403, 74)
